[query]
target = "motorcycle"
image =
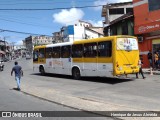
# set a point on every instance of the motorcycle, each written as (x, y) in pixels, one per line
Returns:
(1, 65)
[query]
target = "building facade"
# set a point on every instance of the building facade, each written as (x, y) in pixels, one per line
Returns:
(115, 10)
(32, 41)
(123, 25)
(5, 50)
(80, 30)
(147, 26)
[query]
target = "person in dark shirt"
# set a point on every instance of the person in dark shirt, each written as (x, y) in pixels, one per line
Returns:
(18, 73)
(150, 58)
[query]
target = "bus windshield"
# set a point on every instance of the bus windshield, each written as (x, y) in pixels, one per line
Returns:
(127, 44)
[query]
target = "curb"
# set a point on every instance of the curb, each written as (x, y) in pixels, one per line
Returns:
(147, 71)
(78, 103)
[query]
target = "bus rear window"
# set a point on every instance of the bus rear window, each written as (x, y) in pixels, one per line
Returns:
(127, 44)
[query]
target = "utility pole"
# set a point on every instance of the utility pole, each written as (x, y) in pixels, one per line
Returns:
(4, 44)
(4, 38)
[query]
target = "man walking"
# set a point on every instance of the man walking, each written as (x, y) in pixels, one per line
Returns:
(140, 69)
(18, 73)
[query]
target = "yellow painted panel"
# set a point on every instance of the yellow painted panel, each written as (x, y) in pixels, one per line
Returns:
(105, 60)
(38, 47)
(78, 60)
(41, 60)
(90, 60)
(156, 41)
(93, 60)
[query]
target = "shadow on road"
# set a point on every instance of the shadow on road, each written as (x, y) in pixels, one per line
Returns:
(106, 80)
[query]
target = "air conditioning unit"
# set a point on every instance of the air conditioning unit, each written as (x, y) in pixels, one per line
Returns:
(140, 38)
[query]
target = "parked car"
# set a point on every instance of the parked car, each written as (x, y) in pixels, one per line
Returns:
(28, 56)
(5, 59)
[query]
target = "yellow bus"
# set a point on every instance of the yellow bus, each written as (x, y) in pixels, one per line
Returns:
(101, 57)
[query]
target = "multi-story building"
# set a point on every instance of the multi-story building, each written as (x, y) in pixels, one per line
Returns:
(123, 25)
(115, 10)
(2, 49)
(32, 41)
(57, 37)
(78, 31)
(147, 26)
(119, 19)
(5, 51)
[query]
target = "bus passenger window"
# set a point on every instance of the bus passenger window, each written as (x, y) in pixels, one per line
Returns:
(42, 53)
(48, 52)
(90, 50)
(105, 49)
(56, 52)
(65, 51)
(77, 51)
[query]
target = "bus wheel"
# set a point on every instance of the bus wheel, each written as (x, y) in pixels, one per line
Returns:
(41, 69)
(76, 73)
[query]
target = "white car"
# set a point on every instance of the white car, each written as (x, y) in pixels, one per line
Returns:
(28, 56)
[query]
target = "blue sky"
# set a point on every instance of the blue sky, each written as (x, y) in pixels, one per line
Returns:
(45, 22)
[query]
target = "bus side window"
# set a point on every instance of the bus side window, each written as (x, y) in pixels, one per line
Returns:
(49, 52)
(90, 50)
(105, 49)
(65, 51)
(42, 53)
(56, 52)
(77, 51)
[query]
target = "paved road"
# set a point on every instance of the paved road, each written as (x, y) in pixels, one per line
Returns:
(12, 100)
(93, 94)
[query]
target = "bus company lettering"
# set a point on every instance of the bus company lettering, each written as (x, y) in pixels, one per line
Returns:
(57, 62)
(50, 63)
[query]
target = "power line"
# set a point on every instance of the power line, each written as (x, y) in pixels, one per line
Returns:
(44, 3)
(19, 22)
(50, 8)
(23, 32)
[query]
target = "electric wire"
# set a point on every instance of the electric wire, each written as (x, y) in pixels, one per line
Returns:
(12, 31)
(49, 9)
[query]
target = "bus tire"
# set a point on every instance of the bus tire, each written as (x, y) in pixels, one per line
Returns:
(76, 73)
(42, 71)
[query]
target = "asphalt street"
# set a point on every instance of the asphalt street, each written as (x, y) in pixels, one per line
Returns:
(13, 100)
(91, 94)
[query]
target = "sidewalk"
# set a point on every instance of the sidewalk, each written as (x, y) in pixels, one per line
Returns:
(81, 103)
(148, 71)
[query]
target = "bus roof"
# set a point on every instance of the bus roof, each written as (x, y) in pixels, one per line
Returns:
(40, 46)
(59, 44)
(101, 39)
(84, 41)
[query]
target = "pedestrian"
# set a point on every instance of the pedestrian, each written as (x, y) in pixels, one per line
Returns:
(140, 69)
(18, 73)
(159, 59)
(150, 58)
(156, 56)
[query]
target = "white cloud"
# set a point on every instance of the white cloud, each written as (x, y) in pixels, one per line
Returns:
(19, 42)
(96, 23)
(99, 2)
(67, 17)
